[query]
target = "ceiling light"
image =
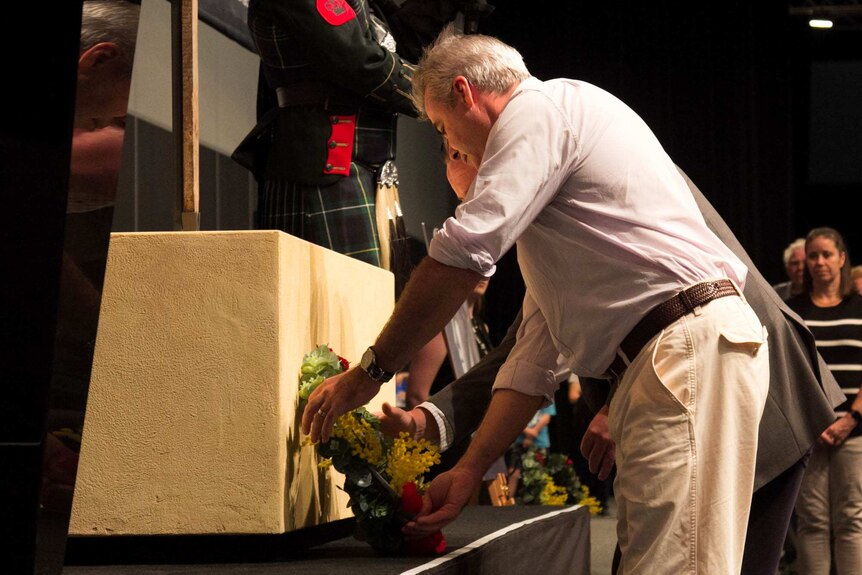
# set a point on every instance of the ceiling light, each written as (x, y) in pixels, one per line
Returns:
(818, 23)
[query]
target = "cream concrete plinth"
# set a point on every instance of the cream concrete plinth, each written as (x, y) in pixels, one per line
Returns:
(192, 422)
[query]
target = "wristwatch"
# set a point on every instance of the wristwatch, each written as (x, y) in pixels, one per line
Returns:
(369, 365)
(857, 417)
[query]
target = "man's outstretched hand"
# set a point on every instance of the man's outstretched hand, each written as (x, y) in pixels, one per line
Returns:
(394, 420)
(335, 397)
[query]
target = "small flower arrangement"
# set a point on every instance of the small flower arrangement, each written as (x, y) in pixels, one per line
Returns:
(551, 480)
(384, 477)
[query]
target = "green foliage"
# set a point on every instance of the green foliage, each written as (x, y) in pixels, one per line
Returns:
(551, 480)
(361, 452)
(317, 365)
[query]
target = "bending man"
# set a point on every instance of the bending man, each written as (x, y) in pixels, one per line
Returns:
(579, 181)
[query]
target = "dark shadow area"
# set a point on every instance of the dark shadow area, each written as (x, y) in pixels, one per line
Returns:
(35, 147)
(61, 151)
(203, 549)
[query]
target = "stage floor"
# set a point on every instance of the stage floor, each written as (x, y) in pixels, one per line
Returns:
(495, 540)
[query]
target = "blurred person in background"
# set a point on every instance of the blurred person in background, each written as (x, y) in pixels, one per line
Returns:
(829, 506)
(794, 264)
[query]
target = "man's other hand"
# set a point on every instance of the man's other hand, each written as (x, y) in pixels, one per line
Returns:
(598, 447)
(447, 495)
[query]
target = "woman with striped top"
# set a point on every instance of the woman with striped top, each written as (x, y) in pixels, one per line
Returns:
(829, 507)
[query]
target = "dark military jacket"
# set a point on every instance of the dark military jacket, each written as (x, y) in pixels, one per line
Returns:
(340, 81)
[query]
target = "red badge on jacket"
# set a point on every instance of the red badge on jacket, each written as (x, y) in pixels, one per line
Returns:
(336, 12)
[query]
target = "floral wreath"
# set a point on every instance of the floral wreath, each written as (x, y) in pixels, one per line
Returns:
(551, 480)
(384, 477)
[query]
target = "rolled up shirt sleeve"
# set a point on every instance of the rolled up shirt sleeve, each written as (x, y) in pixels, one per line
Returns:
(448, 247)
(527, 158)
(533, 363)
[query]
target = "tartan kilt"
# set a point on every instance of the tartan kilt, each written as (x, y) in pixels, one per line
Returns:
(339, 216)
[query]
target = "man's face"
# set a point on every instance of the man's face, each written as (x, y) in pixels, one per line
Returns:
(464, 124)
(796, 266)
(459, 173)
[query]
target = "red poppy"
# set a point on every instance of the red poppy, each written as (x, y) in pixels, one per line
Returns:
(345, 365)
(411, 501)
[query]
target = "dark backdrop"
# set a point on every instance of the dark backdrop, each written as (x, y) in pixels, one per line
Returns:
(35, 148)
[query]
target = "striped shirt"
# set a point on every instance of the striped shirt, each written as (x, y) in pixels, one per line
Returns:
(838, 333)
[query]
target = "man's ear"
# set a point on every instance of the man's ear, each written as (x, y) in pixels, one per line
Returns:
(99, 54)
(462, 89)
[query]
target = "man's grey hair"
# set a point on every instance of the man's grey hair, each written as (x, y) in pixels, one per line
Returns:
(114, 21)
(797, 244)
(486, 62)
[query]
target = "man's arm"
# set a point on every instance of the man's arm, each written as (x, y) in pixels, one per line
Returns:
(524, 384)
(430, 299)
(462, 403)
(508, 414)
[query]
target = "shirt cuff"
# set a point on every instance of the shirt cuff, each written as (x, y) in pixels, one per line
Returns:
(527, 378)
(446, 431)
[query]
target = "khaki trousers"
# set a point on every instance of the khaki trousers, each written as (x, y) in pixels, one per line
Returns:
(685, 421)
(829, 508)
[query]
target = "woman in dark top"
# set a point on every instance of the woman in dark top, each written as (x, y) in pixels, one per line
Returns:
(829, 506)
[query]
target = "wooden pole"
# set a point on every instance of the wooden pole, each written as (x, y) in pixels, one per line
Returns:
(184, 17)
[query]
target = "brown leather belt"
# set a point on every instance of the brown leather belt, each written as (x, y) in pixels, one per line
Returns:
(665, 314)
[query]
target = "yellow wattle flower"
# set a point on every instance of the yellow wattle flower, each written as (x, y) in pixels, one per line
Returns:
(408, 460)
(553, 494)
(361, 436)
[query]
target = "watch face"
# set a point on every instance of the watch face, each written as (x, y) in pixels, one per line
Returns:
(367, 359)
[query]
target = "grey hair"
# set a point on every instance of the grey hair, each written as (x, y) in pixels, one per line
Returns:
(486, 62)
(797, 244)
(114, 21)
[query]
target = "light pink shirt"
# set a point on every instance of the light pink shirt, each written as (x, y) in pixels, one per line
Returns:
(605, 225)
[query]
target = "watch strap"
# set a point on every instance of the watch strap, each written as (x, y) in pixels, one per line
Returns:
(374, 371)
(378, 374)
